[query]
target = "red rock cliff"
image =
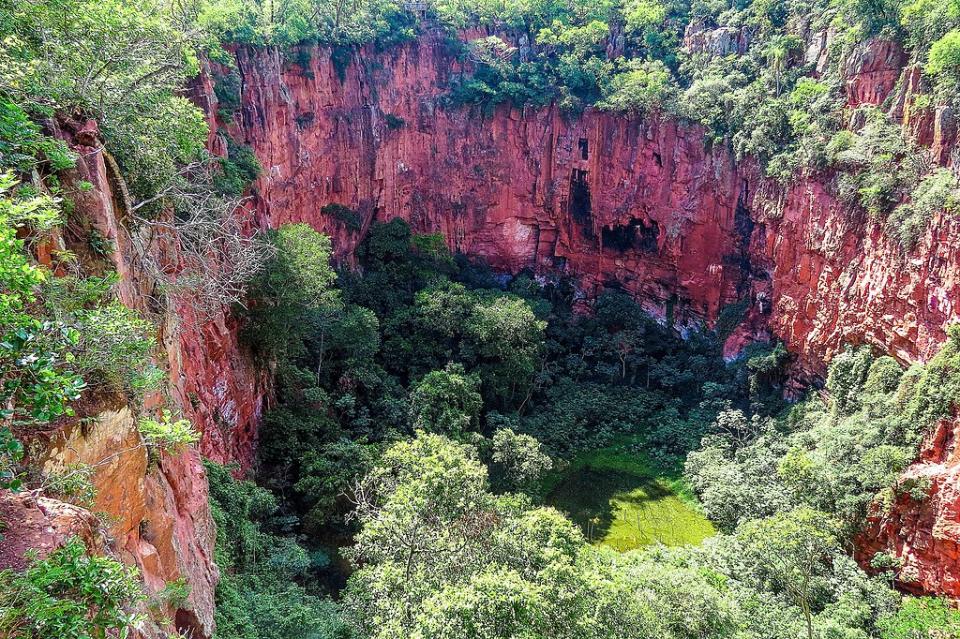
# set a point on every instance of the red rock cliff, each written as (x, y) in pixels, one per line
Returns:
(159, 516)
(608, 200)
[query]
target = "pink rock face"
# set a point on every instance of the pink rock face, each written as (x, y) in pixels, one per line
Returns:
(43, 525)
(837, 279)
(922, 527)
(638, 204)
(160, 517)
(603, 198)
(872, 70)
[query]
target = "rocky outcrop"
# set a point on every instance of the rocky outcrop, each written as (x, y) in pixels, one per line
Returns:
(637, 204)
(42, 525)
(835, 278)
(871, 71)
(157, 509)
(699, 38)
(214, 382)
(922, 526)
(158, 512)
(162, 521)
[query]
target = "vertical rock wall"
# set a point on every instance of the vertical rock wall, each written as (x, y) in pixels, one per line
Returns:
(157, 510)
(612, 201)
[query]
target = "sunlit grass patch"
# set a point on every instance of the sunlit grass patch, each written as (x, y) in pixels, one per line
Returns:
(621, 500)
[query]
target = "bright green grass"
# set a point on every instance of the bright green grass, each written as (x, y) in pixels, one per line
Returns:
(622, 500)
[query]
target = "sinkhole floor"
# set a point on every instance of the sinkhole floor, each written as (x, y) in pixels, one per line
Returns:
(621, 500)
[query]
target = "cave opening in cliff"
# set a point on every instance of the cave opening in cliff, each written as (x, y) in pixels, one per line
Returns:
(635, 236)
(579, 201)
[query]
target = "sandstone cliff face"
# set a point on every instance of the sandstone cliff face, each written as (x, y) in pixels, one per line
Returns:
(639, 204)
(609, 200)
(161, 513)
(922, 527)
(158, 514)
(212, 380)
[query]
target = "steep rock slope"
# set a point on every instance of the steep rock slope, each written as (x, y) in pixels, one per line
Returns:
(158, 513)
(924, 534)
(161, 514)
(640, 204)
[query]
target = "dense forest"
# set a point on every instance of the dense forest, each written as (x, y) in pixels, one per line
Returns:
(456, 452)
(429, 410)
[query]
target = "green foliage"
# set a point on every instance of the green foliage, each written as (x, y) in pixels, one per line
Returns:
(937, 192)
(932, 392)
(174, 593)
(294, 294)
(446, 402)
(327, 475)
(439, 555)
(55, 333)
(35, 352)
(238, 170)
(506, 336)
(921, 617)
(414, 340)
(23, 146)
(72, 484)
(944, 56)
(69, 594)
(227, 89)
(115, 348)
(622, 500)
(793, 550)
(928, 20)
(258, 596)
(518, 460)
(848, 372)
(881, 167)
(642, 89)
(167, 433)
(350, 218)
(11, 452)
(841, 457)
(148, 127)
(341, 22)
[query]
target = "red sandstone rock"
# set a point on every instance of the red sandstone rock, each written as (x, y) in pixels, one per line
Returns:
(682, 228)
(872, 70)
(159, 514)
(42, 525)
(924, 533)
(944, 140)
